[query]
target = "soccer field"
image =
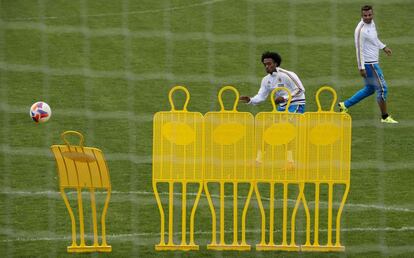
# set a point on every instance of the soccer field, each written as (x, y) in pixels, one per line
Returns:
(106, 67)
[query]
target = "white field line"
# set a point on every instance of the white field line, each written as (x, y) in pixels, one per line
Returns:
(129, 236)
(130, 13)
(407, 250)
(323, 204)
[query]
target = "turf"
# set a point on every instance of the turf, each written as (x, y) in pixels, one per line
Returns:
(106, 67)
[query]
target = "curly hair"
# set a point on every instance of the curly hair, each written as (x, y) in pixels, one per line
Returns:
(366, 8)
(273, 55)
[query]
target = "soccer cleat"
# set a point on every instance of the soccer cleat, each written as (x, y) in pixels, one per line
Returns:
(389, 120)
(342, 107)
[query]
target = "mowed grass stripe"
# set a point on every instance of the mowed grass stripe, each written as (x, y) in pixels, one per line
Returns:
(188, 78)
(235, 38)
(118, 196)
(151, 11)
(26, 237)
(147, 159)
(207, 36)
(184, 7)
(148, 117)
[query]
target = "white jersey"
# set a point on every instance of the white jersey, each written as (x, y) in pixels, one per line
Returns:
(281, 78)
(367, 44)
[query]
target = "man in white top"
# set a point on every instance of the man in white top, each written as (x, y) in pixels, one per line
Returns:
(278, 77)
(367, 47)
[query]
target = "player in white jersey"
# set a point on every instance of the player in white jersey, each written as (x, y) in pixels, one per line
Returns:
(367, 47)
(278, 77)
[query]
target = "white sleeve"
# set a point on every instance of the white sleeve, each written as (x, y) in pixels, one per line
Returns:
(359, 44)
(295, 84)
(380, 44)
(261, 95)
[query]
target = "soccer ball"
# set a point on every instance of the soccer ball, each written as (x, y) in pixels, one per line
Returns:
(40, 112)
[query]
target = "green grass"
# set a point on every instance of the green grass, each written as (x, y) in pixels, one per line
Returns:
(106, 68)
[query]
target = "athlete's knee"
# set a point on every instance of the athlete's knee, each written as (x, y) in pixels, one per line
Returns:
(382, 94)
(368, 90)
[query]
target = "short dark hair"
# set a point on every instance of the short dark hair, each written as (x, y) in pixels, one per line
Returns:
(273, 55)
(366, 8)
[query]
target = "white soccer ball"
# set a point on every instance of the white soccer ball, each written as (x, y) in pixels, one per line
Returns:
(40, 112)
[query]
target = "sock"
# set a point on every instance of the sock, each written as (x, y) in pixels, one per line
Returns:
(385, 116)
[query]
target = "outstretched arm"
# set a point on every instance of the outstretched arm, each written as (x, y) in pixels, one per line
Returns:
(244, 99)
(279, 100)
(259, 97)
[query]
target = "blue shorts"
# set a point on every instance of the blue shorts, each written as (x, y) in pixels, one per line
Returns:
(293, 108)
(375, 80)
